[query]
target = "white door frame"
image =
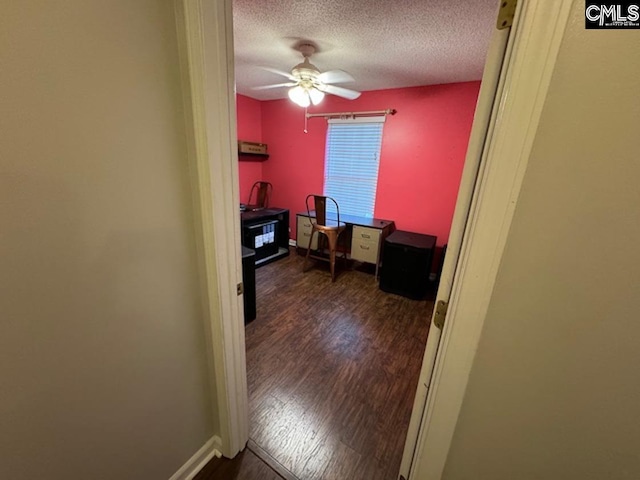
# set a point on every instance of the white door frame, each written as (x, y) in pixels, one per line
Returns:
(209, 88)
(205, 42)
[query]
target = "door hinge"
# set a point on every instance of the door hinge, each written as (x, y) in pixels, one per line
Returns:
(240, 288)
(506, 13)
(441, 314)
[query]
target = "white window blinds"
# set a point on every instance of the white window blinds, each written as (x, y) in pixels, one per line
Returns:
(351, 163)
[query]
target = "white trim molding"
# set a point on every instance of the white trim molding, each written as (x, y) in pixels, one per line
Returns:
(205, 38)
(199, 459)
(536, 41)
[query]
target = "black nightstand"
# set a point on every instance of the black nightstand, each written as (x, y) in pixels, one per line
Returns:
(406, 264)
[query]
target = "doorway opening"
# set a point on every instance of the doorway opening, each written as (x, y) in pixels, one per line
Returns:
(332, 368)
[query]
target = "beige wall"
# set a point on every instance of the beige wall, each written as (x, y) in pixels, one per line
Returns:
(555, 392)
(102, 358)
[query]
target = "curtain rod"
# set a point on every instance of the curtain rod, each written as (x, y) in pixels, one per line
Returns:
(388, 111)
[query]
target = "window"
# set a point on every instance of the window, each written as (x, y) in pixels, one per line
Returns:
(351, 163)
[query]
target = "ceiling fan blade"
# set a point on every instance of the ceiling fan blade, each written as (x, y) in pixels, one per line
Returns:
(279, 72)
(276, 85)
(339, 91)
(335, 76)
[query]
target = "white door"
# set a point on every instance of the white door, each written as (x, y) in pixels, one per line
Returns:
(492, 83)
(516, 78)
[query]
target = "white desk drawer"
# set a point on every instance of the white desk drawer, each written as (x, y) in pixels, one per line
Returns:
(365, 244)
(366, 234)
(303, 230)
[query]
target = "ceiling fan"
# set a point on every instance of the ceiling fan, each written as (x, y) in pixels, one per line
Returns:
(308, 84)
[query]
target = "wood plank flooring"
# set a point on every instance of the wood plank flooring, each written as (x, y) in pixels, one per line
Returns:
(245, 466)
(332, 371)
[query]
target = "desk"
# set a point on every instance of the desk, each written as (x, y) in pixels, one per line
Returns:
(365, 235)
(267, 232)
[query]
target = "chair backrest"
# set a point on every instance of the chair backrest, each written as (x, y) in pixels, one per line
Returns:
(320, 207)
(263, 192)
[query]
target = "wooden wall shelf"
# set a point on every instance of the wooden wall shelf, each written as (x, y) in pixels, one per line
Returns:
(252, 157)
(252, 151)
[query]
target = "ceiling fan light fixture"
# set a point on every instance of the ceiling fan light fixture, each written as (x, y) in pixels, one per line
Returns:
(316, 96)
(299, 96)
(308, 84)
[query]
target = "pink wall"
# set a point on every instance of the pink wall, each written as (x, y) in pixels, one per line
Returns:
(423, 150)
(249, 113)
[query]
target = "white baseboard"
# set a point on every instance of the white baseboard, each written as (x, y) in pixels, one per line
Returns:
(199, 459)
(292, 243)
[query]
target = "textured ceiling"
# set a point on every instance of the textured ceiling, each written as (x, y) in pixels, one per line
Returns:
(381, 43)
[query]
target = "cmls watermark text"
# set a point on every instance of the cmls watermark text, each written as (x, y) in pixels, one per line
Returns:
(620, 15)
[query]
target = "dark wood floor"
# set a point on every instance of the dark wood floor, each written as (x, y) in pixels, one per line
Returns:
(332, 371)
(245, 466)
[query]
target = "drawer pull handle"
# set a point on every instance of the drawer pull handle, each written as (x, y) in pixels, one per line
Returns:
(364, 235)
(364, 247)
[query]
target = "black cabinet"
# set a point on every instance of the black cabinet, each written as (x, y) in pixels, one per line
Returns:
(267, 232)
(406, 263)
(262, 238)
(249, 283)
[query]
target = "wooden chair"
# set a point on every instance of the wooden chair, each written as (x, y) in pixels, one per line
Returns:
(262, 191)
(331, 228)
